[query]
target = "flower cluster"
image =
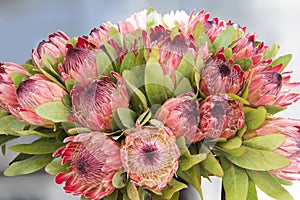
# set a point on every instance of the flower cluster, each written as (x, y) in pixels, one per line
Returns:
(150, 105)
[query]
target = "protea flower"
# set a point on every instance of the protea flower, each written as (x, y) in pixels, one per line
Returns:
(220, 116)
(219, 77)
(80, 65)
(134, 22)
(290, 128)
(54, 47)
(181, 114)
(32, 93)
(150, 157)
(94, 159)
(8, 96)
(93, 106)
(264, 88)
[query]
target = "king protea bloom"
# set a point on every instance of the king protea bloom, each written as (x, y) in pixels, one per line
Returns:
(220, 116)
(80, 65)
(8, 96)
(150, 157)
(93, 105)
(32, 93)
(181, 114)
(94, 159)
(54, 47)
(218, 77)
(290, 128)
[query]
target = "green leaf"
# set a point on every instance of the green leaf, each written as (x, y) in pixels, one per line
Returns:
(274, 109)
(244, 63)
(269, 185)
(29, 165)
(225, 38)
(3, 149)
(268, 142)
(259, 160)
(128, 62)
(235, 152)
(186, 66)
(2, 112)
(103, 63)
(285, 60)
(41, 146)
(184, 151)
(55, 111)
(48, 133)
(232, 143)
(202, 39)
(112, 196)
(186, 163)
(184, 86)
(123, 118)
(17, 78)
(10, 125)
(271, 51)
(119, 180)
(154, 83)
(132, 191)
(55, 167)
(211, 164)
(200, 28)
(235, 181)
(115, 35)
(227, 53)
(255, 117)
(193, 177)
(69, 83)
(172, 187)
(252, 194)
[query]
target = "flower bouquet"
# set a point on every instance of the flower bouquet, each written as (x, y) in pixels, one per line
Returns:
(152, 105)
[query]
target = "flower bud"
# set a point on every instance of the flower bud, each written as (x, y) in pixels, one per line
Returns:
(221, 116)
(181, 115)
(93, 106)
(32, 93)
(80, 65)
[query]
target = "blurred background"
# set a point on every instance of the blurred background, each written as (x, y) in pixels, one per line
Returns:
(24, 23)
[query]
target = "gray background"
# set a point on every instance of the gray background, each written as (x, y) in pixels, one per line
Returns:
(24, 23)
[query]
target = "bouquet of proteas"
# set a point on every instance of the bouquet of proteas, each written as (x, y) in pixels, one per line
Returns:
(150, 106)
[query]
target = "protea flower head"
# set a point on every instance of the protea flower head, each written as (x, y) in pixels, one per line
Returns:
(93, 105)
(150, 157)
(264, 88)
(220, 116)
(218, 77)
(80, 65)
(181, 114)
(94, 159)
(32, 93)
(8, 96)
(54, 47)
(290, 128)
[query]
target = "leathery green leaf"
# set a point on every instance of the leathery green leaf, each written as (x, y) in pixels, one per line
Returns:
(41, 146)
(269, 185)
(132, 191)
(259, 160)
(55, 111)
(232, 143)
(271, 51)
(268, 142)
(29, 165)
(211, 164)
(55, 167)
(235, 181)
(186, 163)
(119, 179)
(284, 60)
(255, 117)
(225, 38)
(172, 187)
(252, 193)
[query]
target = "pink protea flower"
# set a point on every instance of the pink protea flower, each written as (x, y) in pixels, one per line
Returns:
(219, 77)
(150, 157)
(32, 93)
(221, 116)
(94, 159)
(181, 114)
(80, 65)
(8, 95)
(99, 35)
(93, 105)
(54, 47)
(290, 128)
(134, 22)
(264, 88)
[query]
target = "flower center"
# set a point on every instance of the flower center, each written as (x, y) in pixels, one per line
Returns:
(224, 70)
(149, 153)
(83, 166)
